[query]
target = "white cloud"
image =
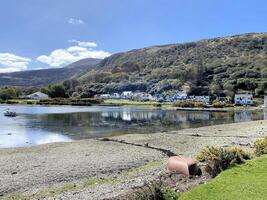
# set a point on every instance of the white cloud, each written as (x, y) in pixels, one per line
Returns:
(75, 21)
(12, 63)
(62, 57)
(83, 44)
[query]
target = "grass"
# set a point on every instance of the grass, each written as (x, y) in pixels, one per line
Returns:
(132, 102)
(244, 182)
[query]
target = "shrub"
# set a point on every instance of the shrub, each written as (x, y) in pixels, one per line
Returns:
(217, 104)
(219, 159)
(169, 194)
(261, 146)
(188, 104)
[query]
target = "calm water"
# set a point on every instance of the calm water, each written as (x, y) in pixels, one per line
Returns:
(39, 124)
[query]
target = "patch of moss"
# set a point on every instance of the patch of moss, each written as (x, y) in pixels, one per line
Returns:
(169, 194)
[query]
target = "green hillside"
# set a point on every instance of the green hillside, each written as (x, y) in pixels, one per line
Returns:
(216, 66)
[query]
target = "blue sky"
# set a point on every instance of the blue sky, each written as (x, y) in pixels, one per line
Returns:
(52, 33)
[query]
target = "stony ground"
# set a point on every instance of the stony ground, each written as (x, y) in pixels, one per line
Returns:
(94, 169)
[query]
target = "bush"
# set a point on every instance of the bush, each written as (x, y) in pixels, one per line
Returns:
(169, 194)
(217, 104)
(261, 146)
(188, 104)
(219, 159)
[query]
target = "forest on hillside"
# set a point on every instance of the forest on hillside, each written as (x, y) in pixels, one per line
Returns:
(220, 66)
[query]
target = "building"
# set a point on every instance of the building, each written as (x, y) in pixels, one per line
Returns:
(244, 99)
(203, 99)
(265, 101)
(181, 96)
(105, 96)
(38, 96)
(115, 96)
(142, 96)
(127, 94)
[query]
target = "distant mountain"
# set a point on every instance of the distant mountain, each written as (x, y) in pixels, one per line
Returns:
(213, 66)
(45, 77)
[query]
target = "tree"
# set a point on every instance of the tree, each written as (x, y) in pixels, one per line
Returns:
(215, 89)
(10, 93)
(57, 90)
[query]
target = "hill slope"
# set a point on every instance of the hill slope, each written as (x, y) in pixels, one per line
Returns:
(218, 66)
(47, 76)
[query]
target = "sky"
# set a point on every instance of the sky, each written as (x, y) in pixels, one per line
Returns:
(37, 34)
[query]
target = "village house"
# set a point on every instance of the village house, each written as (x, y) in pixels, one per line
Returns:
(115, 96)
(159, 97)
(223, 99)
(182, 95)
(127, 94)
(203, 99)
(142, 96)
(104, 96)
(243, 99)
(38, 96)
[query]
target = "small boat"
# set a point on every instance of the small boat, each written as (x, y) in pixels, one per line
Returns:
(9, 113)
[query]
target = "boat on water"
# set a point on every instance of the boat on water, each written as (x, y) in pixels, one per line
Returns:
(10, 113)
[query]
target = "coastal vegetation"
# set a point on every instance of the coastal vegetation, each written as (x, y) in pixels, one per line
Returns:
(261, 146)
(247, 181)
(244, 181)
(218, 159)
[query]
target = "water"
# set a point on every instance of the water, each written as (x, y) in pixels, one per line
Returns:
(39, 124)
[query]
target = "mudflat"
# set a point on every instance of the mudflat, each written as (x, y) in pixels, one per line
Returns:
(97, 169)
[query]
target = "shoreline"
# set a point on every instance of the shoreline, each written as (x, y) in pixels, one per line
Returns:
(153, 105)
(111, 167)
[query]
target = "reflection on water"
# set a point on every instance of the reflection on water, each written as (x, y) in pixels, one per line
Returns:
(38, 125)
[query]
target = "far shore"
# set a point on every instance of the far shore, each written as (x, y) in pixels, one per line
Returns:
(131, 103)
(98, 169)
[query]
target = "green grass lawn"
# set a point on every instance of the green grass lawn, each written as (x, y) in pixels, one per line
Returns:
(129, 102)
(244, 182)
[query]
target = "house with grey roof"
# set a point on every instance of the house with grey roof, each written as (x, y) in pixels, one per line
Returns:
(38, 96)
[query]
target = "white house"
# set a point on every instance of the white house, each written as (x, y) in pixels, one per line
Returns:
(105, 96)
(115, 96)
(142, 96)
(203, 99)
(127, 94)
(181, 95)
(243, 99)
(38, 96)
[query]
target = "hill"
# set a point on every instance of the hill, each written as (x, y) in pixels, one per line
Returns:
(215, 66)
(45, 77)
